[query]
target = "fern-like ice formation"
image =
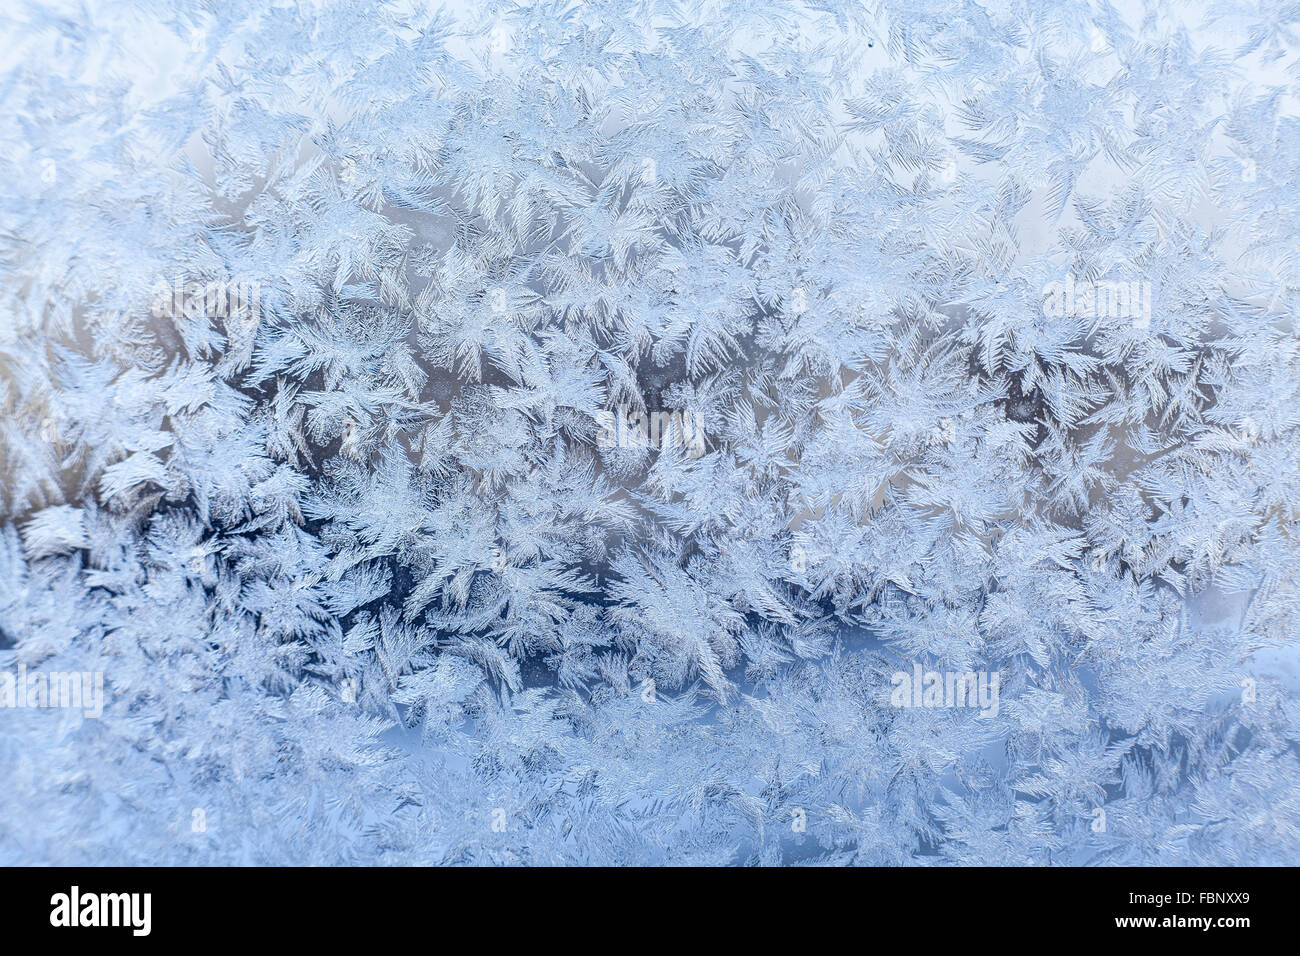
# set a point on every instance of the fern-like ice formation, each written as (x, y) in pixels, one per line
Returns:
(650, 432)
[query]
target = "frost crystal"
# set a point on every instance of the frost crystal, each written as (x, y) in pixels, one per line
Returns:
(650, 433)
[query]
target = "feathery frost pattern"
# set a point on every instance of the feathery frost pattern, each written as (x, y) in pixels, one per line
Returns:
(650, 433)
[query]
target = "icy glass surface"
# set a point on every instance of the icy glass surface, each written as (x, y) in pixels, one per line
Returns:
(649, 432)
